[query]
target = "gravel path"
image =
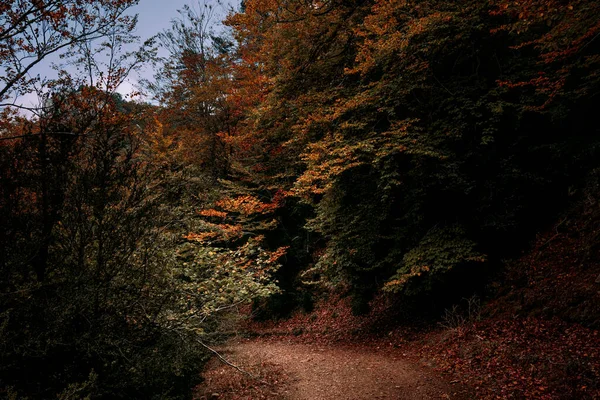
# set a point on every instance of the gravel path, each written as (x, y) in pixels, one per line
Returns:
(324, 372)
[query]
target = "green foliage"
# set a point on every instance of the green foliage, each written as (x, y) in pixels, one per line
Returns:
(440, 251)
(215, 279)
(114, 302)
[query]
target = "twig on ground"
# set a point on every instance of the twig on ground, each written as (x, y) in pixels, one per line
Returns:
(223, 360)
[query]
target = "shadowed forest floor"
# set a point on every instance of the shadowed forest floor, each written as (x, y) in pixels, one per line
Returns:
(298, 371)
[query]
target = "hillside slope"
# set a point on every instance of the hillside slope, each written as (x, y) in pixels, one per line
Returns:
(534, 337)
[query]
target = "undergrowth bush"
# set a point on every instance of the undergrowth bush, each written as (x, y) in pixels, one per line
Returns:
(463, 313)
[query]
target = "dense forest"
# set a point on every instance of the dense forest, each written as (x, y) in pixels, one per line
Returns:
(405, 149)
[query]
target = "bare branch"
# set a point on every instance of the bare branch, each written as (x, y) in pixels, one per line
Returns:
(224, 361)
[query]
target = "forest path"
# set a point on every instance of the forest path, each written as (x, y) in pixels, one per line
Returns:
(325, 372)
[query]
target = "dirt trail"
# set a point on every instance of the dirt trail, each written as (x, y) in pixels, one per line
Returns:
(325, 372)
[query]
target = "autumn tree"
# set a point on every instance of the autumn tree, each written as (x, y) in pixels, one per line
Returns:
(190, 84)
(201, 107)
(103, 296)
(76, 266)
(426, 136)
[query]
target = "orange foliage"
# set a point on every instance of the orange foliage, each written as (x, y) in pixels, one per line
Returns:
(564, 46)
(246, 205)
(201, 237)
(212, 213)
(215, 231)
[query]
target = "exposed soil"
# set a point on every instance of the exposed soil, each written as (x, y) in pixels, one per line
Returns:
(298, 371)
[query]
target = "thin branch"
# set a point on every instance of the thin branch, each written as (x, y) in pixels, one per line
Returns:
(588, 43)
(37, 134)
(223, 360)
(33, 109)
(447, 90)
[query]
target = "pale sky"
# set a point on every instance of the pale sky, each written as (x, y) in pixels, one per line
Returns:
(156, 15)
